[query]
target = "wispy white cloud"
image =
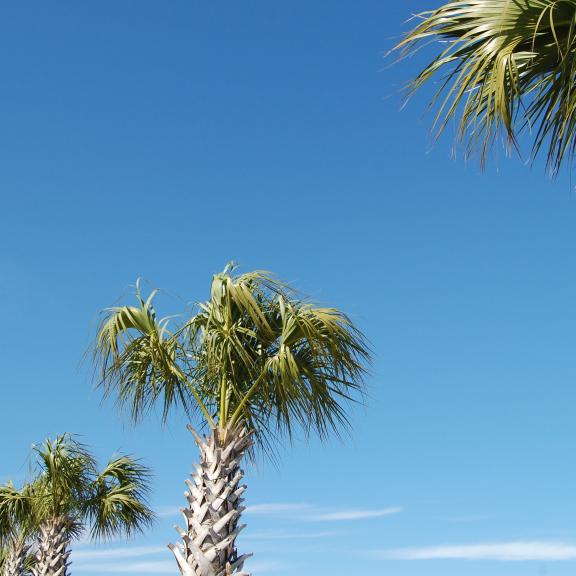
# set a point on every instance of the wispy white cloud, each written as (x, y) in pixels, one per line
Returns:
(354, 514)
(126, 552)
(158, 567)
(167, 511)
(275, 508)
(309, 513)
(502, 551)
(285, 535)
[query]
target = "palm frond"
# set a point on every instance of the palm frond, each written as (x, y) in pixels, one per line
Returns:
(16, 512)
(507, 66)
(140, 360)
(65, 468)
(70, 488)
(118, 504)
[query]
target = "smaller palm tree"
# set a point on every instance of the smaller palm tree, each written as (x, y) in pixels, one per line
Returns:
(13, 566)
(71, 496)
(17, 529)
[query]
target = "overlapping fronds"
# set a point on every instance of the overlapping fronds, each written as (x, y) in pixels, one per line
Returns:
(65, 470)
(70, 488)
(255, 354)
(17, 518)
(140, 360)
(506, 66)
(118, 504)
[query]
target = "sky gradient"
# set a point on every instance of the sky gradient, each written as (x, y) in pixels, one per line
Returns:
(162, 140)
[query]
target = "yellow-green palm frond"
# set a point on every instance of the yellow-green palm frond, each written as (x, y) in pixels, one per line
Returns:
(277, 360)
(140, 360)
(506, 66)
(65, 469)
(314, 366)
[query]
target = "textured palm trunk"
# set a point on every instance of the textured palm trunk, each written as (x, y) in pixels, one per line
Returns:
(15, 562)
(53, 549)
(214, 507)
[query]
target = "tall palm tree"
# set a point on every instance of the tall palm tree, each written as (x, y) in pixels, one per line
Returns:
(71, 495)
(17, 529)
(504, 67)
(250, 364)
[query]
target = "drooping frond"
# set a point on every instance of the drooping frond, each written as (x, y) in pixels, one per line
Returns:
(311, 369)
(17, 517)
(140, 360)
(118, 504)
(505, 66)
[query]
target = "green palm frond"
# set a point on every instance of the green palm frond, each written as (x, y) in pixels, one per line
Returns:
(507, 66)
(255, 355)
(65, 470)
(16, 512)
(140, 359)
(118, 505)
(69, 487)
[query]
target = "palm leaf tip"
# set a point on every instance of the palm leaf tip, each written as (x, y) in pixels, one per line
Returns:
(507, 67)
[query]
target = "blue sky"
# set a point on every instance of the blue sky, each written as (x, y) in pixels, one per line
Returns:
(162, 140)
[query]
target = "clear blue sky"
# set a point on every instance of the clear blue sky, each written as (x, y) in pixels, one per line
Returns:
(163, 139)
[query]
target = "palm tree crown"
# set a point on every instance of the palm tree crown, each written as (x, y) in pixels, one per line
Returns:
(18, 527)
(16, 514)
(509, 66)
(253, 355)
(69, 487)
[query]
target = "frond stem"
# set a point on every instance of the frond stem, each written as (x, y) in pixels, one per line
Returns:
(236, 414)
(201, 404)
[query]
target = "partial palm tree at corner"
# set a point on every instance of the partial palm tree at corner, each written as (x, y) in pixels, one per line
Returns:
(71, 496)
(18, 528)
(503, 67)
(252, 363)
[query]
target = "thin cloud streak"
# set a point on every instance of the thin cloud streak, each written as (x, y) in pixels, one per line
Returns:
(308, 513)
(275, 508)
(127, 552)
(264, 536)
(354, 514)
(159, 567)
(167, 511)
(501, 552)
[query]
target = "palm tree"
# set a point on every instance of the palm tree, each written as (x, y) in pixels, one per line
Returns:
(16, 565)
(71, 495)
(251, 364)
(508, 66)
(17, 528)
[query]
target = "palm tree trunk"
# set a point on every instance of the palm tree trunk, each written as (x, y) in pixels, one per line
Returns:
(15, 562)
(214, 508)
(53, 552)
